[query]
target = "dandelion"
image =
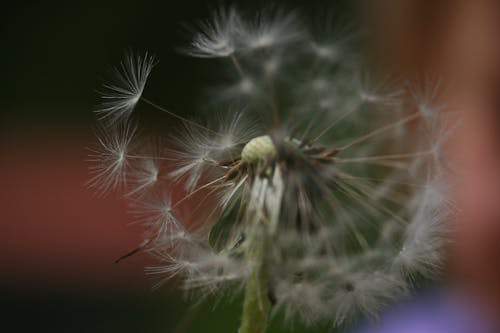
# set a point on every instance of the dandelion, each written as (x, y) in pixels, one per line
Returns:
(318, 199)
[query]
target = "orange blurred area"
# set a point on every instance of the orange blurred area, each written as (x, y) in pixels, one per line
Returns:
(58, 244)
(55, 231)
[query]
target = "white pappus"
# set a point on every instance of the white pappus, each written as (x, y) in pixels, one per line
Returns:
(319, 198)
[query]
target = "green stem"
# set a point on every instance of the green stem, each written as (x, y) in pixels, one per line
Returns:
(256, 304)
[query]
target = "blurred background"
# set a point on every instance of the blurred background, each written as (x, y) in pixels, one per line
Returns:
(58, 241)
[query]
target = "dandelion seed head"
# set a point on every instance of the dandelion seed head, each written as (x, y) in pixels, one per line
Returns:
(258, 149)
(332, 193)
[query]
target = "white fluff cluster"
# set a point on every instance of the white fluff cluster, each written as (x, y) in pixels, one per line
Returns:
(340, 199)
(121, 97)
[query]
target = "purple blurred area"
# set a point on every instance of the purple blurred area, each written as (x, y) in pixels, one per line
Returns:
(443, 311)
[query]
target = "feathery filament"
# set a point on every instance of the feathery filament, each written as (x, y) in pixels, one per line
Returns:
(328, 206)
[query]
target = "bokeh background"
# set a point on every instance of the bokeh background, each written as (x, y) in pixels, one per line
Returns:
(58, 241)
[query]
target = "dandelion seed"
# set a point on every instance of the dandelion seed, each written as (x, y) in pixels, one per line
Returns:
(426, 234)
(145, 176)
(381, 92)
(121, 96)
(110, 164)
(365, 294)
(194, 156)
(271, 28)
(216, 37)
(324, 51)
(331, 37)
(246, 86)
(242, 92)
(425, 98)
(304, 299)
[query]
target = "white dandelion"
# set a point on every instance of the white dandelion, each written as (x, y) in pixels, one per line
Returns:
(325, 207)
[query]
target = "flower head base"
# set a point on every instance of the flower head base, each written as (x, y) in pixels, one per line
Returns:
(326, 208)
(259, 149)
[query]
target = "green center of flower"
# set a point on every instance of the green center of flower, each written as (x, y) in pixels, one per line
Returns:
(259, 149)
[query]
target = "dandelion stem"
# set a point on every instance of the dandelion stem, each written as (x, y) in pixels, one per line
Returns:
(189, 195)
(152, 157)
(175, 115)
(263, 216)
(237, 65)
(256, 304)
(386, 157)
(380, 130)
(335, 122)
